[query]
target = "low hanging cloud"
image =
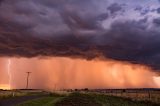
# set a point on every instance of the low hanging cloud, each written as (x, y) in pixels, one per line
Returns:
(157, 22)
(113, 8)
(81, 29)
(158, 10)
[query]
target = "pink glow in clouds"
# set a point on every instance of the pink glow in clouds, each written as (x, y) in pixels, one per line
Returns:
(77, 73)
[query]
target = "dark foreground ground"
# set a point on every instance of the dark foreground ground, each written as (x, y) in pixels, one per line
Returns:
(75, 99)
(17, 100)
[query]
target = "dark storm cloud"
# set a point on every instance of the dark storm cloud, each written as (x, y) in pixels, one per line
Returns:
(138, 8)
(135, 44)
(76, 28)
(145, 11)
(158, 10)
(113, 8)
(157, 21)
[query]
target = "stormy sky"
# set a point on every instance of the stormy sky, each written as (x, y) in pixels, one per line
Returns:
(123, 30)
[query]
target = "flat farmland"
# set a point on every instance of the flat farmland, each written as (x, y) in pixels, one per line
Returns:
(81, 98)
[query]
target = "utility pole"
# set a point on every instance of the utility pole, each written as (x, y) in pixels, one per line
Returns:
(28, 73)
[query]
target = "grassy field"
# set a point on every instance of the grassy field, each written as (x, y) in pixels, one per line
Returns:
(10, 94)
(45, 101)
(18, 93)
(49, 100)
(86, 99)
(140, 96)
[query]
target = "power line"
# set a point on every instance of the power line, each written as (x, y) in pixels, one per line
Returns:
(28, 73)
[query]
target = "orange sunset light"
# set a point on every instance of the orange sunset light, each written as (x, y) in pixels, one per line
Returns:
(4, 86)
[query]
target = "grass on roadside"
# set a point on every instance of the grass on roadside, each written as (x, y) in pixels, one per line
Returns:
(92, 99)
(45, 101)
(50, 100)
(85, 99)
(14, 94)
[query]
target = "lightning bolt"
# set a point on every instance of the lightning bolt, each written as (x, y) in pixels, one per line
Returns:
(9, 72)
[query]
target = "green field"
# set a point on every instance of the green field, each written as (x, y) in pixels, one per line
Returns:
(85, 99)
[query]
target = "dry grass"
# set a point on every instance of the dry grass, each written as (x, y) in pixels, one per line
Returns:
(140, 96)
